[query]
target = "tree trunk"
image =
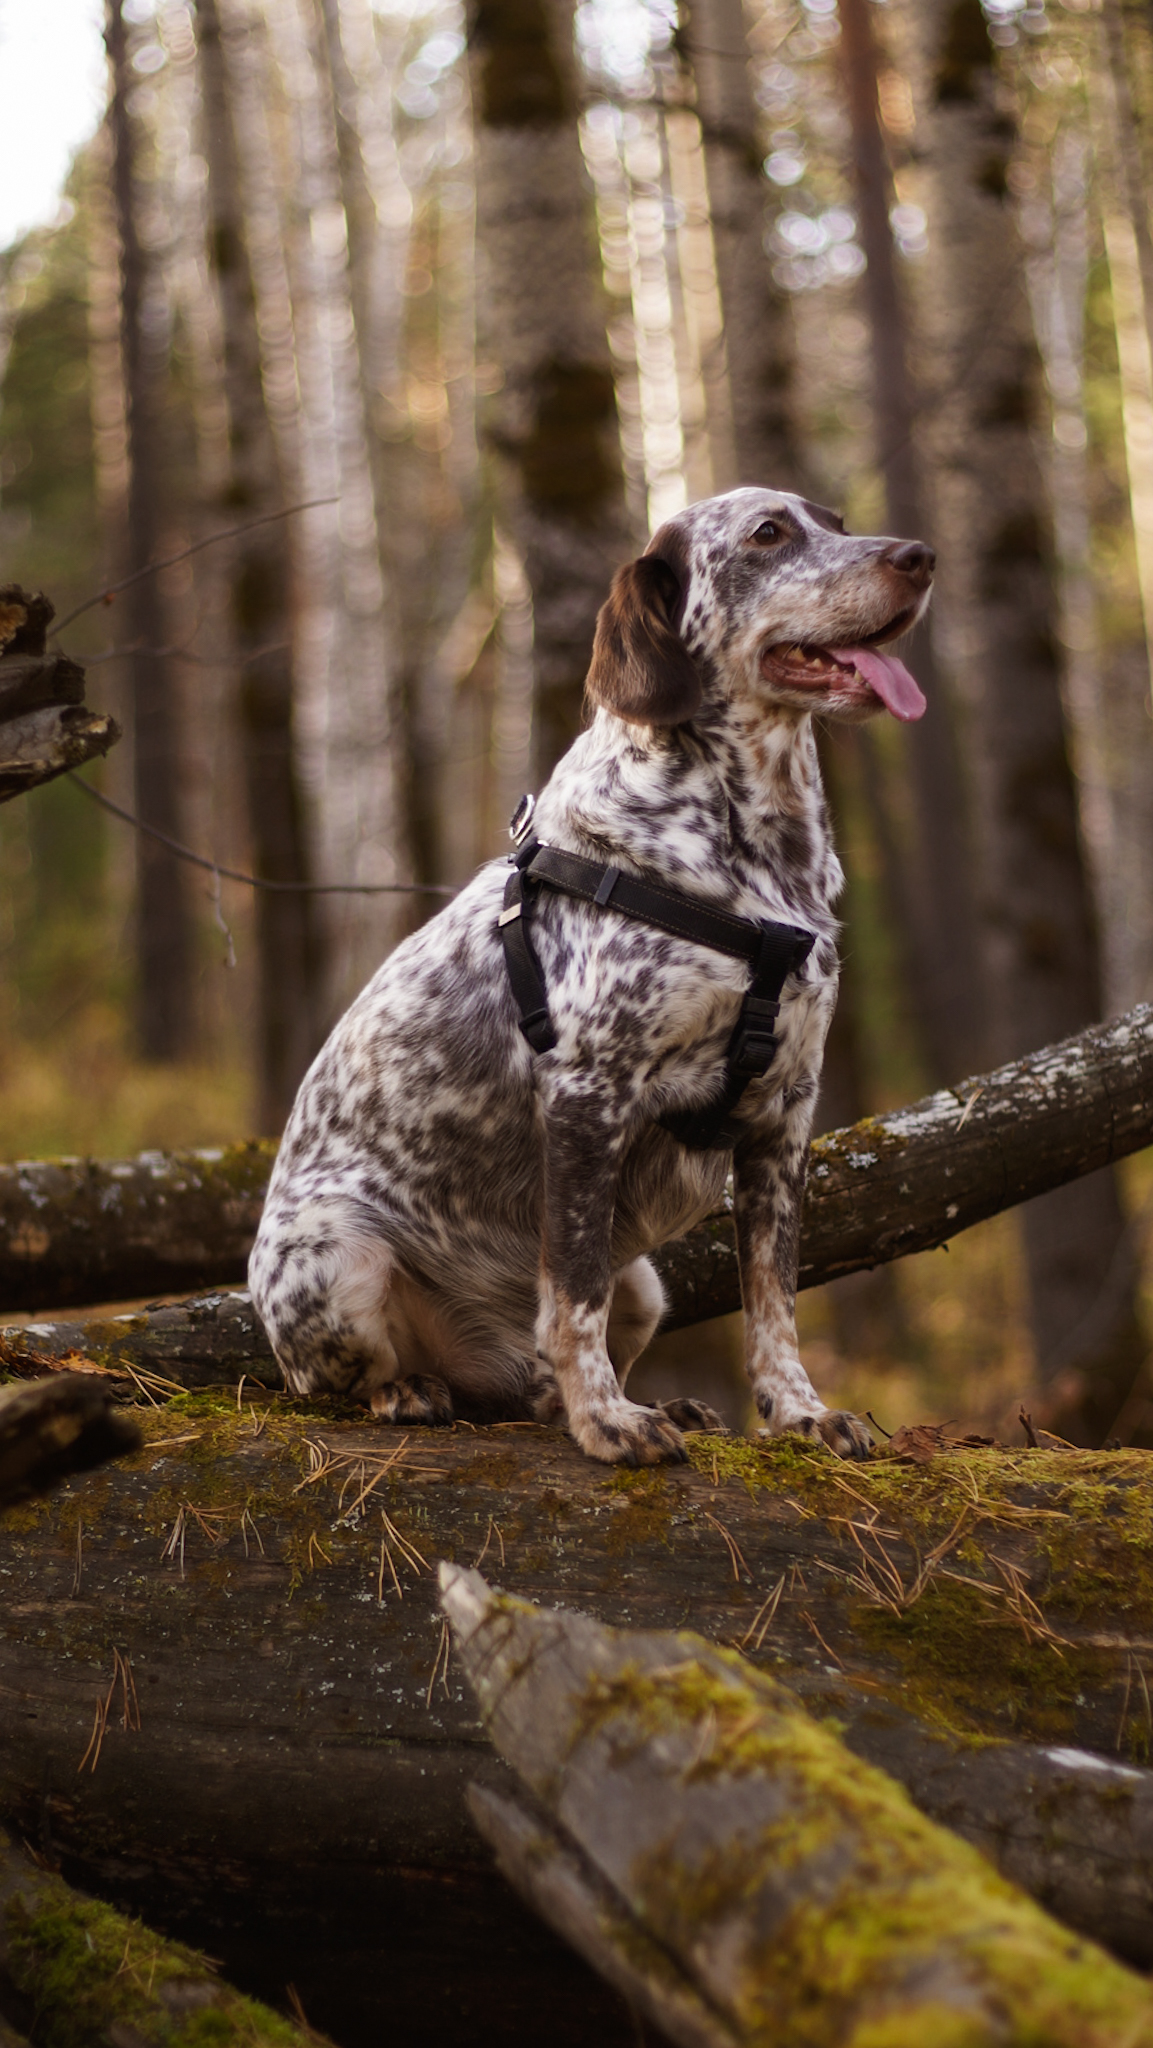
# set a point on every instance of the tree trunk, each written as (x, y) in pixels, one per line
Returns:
(423, 470)
(758, 324)
(711, 1849)
(260, 573)
(268, 1580)
(891, 1185)
(552, 427)
(948, 984)
(346, 640)
(998, 587)
(164, 947)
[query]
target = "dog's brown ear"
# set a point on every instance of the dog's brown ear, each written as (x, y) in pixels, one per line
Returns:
(641, 668)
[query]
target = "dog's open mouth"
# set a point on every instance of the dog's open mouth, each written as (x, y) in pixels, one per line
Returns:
(865, 670)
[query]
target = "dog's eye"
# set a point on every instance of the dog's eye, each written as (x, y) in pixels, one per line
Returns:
(768, 532)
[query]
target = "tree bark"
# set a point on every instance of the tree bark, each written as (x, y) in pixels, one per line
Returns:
(75, 1230)
(758, 324)
(288, 938)
(552, 427)
(710, 1848)
(87, 1975)
(948, 984)
(44, 727)
(164, 944)
(997, 585)
(297, 1717)
(347, 642)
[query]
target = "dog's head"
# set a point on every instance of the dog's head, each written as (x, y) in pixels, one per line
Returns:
(760, 595)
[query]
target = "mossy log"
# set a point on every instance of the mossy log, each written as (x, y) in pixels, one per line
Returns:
(80, 1975)
(51, 1428)
(728, 1863)
(265, 1582)
(77, 1230)
(87, 1230)
(44, 726)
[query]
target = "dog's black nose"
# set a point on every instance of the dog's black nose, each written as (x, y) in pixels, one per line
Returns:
(914, 560)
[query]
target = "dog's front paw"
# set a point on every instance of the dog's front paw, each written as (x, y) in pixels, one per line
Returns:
(623, 1434)
(690, 1414)
(846, 1435)
(421, 1399)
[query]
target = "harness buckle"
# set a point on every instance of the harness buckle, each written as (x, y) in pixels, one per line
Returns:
(520, 824)
(754, 1045)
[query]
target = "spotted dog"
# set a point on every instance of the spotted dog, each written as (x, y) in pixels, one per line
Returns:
(454, 1219)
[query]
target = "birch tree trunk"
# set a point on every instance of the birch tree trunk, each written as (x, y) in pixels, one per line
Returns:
(998, 593)
(552, 428)
(421, 445)
(940, 899)
(287, 935)
(758, 324)
(347, 642)
(164, 937)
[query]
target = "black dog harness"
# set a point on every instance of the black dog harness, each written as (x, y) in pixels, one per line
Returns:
(773, 951)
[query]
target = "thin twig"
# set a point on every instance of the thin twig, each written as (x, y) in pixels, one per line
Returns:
(197, 547)
(214, 867)
(79, 1571)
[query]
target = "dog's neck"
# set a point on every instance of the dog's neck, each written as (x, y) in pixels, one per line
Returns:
(727, 805)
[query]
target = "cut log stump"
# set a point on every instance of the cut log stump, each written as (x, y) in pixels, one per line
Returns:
(45, 728)
(53, 1427)
(265, 1582)
(728, 1863)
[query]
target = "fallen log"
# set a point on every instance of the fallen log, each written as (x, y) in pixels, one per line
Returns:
(45, 728)
(263, 1577)
(54, 1427)
(727, 1863)
(74, 1230)
(81, 1974)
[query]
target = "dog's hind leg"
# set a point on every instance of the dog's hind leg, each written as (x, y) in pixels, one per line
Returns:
(321, 1274)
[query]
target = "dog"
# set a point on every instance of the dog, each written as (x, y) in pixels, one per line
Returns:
(456, 1223)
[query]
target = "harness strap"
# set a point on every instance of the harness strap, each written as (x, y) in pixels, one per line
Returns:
(772, 950)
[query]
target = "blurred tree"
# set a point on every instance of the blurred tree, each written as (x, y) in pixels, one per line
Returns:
(938, 894)
(423, 469)
(552, 426)
(758, 321)
(288, 938)
(164, 939)
(998, 593)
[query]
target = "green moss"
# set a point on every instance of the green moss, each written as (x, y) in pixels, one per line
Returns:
(649, 1503)
(847, 1917)
(88, 1971)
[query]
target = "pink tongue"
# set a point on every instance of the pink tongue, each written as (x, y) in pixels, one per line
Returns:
(887, 676)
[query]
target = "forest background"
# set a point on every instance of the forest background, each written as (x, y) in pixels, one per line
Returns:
(434, 311)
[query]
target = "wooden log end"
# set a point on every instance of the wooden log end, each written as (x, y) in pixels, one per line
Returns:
(54, 1427)
(796, 1888)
